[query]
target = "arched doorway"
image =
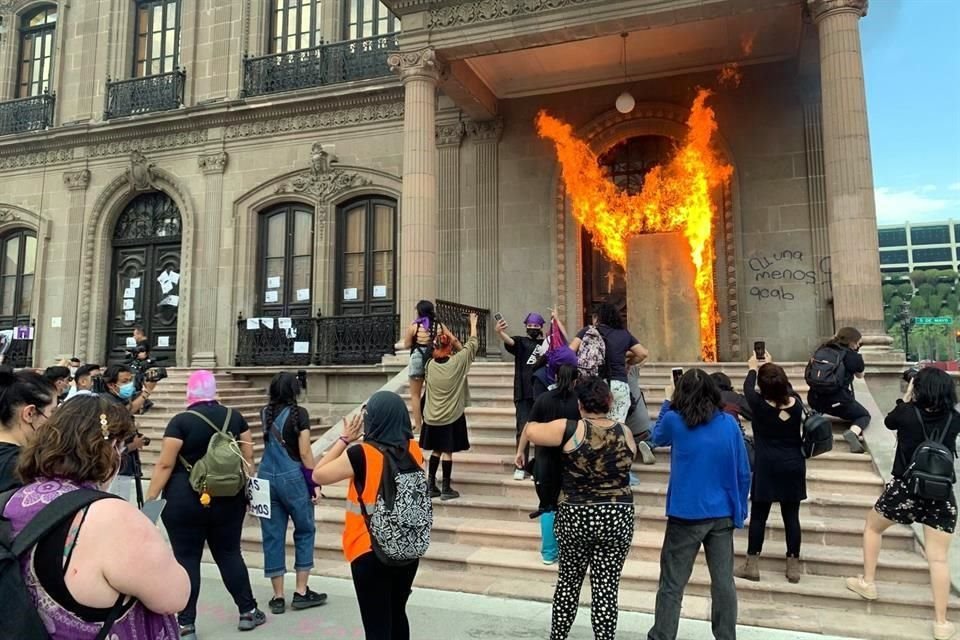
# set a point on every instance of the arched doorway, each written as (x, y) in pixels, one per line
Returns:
(626, 164)
(145, 280)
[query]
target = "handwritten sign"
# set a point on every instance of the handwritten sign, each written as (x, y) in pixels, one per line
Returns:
(258, 494)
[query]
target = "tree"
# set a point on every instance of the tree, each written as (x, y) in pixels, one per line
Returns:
(918, 277)
(896, 304)
(934, 302)
(947, 276)
(918, 305)
(889, 291)
(943, 289)
(952, 301)
(905, 290)
(925, 290)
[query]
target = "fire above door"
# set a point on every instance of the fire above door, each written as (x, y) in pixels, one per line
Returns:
(145, 289)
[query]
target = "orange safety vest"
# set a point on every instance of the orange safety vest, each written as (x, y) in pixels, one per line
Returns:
(356, 536)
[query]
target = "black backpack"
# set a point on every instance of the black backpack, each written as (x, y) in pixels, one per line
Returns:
(401, 518)
(825, 371)
(817, 432)
(931, 475)
(547, 471)
(20, 618)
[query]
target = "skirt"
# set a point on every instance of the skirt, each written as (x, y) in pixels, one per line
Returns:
(445, 438)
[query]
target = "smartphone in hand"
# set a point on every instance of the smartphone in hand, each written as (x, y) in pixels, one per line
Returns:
(677, 373)
(760, 349)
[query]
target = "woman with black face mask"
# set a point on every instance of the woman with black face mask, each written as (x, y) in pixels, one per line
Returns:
(526, 351)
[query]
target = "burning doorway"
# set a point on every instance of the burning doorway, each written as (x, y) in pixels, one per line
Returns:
(626, 164)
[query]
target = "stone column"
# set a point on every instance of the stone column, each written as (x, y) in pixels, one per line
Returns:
(68, 259)
(848, 173)
(204, 281)
(449, 137)
(486, 140)
(418, 206)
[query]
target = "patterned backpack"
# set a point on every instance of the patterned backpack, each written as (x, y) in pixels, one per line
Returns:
(402, 516)
(592, 355)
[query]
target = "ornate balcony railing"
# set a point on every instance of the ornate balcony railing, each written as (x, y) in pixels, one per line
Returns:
(326, 64)
(356, 339)
(269, 344)
(456, 317)
(27, 114)
(162, 92)
(20, 352)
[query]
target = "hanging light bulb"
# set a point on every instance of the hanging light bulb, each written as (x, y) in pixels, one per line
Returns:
(625, 102)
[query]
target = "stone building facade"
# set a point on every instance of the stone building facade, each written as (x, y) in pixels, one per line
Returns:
(188, 166)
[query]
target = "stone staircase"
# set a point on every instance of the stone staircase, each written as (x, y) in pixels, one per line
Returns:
(486, 543)
(235, 392)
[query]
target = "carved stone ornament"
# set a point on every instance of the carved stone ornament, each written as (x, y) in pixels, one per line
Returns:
(322, 180)
(213, 162)
(8, 215)
(320, 159)
(321, 120)
(9, 5)
(469, 13)
(140, 173)
(77, 180)
(819, 9)
(419, 63)
(485, 131)
(450, 134)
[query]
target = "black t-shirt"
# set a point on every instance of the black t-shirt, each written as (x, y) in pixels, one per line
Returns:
(130, 462)
(553, 406)
(8, 463)
(618, 342)
(903, 420)
(196, 433)
(522, 350)
(297, 422)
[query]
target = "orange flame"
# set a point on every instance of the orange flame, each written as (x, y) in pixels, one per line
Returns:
(676, 196)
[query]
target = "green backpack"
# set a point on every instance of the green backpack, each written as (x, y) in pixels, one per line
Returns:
(219, 473)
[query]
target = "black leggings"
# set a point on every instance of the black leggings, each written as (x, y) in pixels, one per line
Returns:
(382, 594)
(760, 511)
(190, 526)
(842, 406)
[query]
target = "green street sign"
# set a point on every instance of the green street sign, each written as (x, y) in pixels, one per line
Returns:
(934, 320)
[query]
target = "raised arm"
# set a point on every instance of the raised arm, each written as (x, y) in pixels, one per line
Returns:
(454, 340)
(502, 334)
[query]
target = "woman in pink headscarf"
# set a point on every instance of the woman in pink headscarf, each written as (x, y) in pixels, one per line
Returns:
(193, 520)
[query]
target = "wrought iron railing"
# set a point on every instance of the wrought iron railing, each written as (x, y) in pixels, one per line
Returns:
(456, 317)
(356, 339)
(269, 344)
(321, 340)
(325, 64)
(27, 114)
(19, 354)
(161, 92)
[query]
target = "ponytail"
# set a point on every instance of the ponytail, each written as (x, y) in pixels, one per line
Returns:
(566, 380)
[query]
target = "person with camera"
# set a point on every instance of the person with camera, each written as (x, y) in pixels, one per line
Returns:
(830, 376)
(195, 516)
(925, 420)
(780, 470)
(120, 388)
(444, 421)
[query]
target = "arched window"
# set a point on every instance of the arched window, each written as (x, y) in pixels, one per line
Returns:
(36, 51)
(295, 24)
(365, 18)
(157, 44)
(285, 280)
(17, 269)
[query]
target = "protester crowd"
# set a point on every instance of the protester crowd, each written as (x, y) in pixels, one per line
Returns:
(70, 471)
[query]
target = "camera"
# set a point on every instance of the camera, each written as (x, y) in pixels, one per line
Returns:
(910, 374)
(155, 374)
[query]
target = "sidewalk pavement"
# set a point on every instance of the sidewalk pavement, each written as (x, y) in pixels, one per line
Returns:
(434, 615)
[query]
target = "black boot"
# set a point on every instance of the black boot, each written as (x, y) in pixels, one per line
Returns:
(447, 493)
(432, 476)
(434, 491)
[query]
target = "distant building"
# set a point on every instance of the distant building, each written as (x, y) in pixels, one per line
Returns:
(930, 245)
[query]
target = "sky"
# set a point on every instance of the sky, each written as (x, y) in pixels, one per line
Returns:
(911, 57)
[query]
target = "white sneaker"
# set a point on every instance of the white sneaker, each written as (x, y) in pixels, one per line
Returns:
(519, 474)
(646, 453)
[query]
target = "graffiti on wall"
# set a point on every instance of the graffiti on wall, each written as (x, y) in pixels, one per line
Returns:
(782, 275)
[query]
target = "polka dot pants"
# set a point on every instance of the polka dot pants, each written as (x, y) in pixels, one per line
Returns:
(596, 537)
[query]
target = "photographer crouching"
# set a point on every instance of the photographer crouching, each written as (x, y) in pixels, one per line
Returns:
(119, 386)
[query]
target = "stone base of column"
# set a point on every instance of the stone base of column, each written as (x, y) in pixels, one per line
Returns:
(203, 360)
(662, 305)
(879, 348)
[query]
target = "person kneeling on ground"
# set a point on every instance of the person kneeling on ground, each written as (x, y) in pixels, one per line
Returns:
(926, 413)
(838, 400)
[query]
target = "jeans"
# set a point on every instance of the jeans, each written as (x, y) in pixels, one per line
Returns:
(289, 500)
(548, 539)
(382, 594)
(681, 543)
(190, 526)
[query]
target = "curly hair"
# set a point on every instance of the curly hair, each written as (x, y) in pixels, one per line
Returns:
(594, 394)
(71, 445)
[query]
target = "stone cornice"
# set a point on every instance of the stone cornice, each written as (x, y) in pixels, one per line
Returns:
(485, 131)
(213, 163)
(77, 180)
(422, 63)
(166, 131)
(819, 9)
(469, 13)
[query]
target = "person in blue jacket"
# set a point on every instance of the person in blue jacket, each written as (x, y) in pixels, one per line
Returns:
(707, 499)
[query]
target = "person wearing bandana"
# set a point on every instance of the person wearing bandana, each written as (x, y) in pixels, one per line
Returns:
(526, 351)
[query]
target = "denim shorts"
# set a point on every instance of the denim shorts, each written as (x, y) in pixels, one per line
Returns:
(418, 363)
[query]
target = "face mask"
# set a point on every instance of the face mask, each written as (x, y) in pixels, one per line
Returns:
(126, 391)
(533, 334)
(105, 486)
(73, 372)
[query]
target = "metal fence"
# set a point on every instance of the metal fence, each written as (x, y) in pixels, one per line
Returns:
(27, 114)
(456, 317)
(161, 92)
